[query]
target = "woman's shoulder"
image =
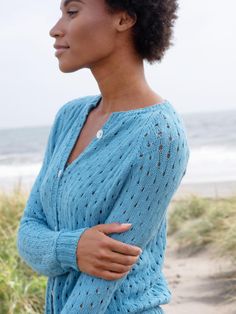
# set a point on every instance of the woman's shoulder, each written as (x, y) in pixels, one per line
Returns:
(72, 109)
(164, 128)
(75, 104)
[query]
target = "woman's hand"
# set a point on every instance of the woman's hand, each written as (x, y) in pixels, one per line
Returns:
(101, 256)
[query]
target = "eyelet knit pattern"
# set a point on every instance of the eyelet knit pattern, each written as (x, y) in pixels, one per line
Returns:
(128, 174)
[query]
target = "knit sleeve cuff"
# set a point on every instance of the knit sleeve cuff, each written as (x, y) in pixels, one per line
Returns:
(66, 247)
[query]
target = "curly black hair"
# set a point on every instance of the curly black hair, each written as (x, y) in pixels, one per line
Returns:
(152, 32)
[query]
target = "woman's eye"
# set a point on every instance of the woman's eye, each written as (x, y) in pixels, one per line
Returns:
(71, 12)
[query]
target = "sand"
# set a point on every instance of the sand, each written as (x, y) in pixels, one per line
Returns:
(199, 283)
(207, 189)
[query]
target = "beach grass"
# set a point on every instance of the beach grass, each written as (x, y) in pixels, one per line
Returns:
(194, 221)
(21, 289)
(197, 222)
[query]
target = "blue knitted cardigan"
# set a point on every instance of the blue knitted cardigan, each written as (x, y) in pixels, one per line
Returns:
(129, 173)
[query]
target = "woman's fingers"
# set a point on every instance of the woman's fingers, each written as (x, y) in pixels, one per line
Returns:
(104, 257)
(114, 267)
(123, 248)
(106, 274)
(126, 260)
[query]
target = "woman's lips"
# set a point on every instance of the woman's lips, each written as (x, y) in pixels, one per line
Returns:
(59, 51)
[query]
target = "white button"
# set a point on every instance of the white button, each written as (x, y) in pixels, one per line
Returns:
(99, 133)
(59, 173)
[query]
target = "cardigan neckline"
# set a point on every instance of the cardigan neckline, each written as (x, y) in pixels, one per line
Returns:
(77, 128)
(140, 110)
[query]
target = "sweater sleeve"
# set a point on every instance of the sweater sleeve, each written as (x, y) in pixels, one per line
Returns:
(148, 185)
(48, 252)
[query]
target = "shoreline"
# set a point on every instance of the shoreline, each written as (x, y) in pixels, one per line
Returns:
(211, 189)
(221, 189)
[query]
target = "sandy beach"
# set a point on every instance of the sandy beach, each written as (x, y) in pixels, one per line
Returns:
(199, 283)
(207, 189)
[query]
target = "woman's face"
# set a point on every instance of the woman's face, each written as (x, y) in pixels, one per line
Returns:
(89, 32)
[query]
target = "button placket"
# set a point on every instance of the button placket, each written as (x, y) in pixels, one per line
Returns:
(56, 228)
(59, 176)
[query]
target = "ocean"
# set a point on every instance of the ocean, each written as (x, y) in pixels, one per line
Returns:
(211, 136)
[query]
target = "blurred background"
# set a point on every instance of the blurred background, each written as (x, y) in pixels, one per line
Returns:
(197, 75)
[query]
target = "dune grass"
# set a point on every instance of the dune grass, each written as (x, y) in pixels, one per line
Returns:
(195, 222)
(21, 290)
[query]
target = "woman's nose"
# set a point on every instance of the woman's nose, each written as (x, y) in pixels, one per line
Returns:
(56, 31)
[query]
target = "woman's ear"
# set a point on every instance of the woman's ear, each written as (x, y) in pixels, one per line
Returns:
(125, 21)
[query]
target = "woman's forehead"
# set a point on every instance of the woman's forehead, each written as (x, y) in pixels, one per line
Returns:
(64, 3)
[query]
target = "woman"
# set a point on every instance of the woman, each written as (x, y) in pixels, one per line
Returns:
(116, 157)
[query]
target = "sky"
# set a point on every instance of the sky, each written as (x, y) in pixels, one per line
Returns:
(197, 73)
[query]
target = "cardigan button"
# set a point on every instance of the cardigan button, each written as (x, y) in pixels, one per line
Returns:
(59, 173)
(99, 133)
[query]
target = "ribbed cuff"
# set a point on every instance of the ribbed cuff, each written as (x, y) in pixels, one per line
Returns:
(66, 247)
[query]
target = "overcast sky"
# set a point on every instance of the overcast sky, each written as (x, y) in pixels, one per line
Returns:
(196, 74)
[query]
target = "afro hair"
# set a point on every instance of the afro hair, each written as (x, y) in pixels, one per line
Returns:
(152, 32)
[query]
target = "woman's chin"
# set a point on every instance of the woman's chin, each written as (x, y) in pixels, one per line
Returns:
(67, 68)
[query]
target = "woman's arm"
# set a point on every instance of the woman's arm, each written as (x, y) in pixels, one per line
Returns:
(147, 189)
(47, 251)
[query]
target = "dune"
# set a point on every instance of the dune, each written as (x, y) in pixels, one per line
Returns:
(200, 283)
